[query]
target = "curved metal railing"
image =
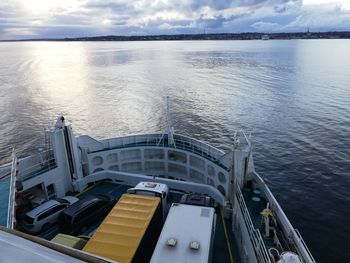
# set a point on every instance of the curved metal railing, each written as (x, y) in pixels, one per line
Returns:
(181, 142)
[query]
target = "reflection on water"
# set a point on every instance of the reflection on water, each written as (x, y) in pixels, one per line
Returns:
(52, 74)
(292, 95)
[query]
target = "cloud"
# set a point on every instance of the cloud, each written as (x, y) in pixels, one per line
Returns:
(77, 18)
(280, 8)
(326, 17)
(266, 26)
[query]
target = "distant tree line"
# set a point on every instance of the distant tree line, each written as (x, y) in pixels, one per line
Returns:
(218, 36)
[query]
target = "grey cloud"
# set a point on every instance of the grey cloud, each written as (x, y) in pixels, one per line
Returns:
(211, 23)
(190, 17)
(70, 19)
(214, 4)
(280, 9)
(157, 24)
(114, 6)
(291, 5)
(119, 23)
(322, 20)
(225, 4)
(266, 26)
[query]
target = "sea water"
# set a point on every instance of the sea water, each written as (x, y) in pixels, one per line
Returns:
(293, 96)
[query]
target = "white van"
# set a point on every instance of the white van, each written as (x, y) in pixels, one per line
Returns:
(46, 214)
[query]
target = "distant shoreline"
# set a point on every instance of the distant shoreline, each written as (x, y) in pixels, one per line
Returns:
(216, 36)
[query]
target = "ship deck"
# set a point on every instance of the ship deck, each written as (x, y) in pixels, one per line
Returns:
(256, 203)
(220, 250)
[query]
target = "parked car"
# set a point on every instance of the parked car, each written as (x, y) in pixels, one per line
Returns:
(46, 214)
(84, 213)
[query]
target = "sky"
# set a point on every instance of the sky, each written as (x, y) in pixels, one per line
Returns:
(23, 19)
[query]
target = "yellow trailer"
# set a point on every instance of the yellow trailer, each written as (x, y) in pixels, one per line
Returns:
(134, 219)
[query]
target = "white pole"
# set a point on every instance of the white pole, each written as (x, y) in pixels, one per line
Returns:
(170, 130)
(12, 193)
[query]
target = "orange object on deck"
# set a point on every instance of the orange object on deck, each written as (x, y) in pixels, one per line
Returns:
(120, 234)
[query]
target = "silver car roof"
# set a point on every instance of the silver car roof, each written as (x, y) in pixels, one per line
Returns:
(41, 208)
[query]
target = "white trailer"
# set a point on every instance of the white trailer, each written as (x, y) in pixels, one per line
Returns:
(187, 236)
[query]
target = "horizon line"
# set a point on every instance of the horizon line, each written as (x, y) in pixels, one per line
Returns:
(176, 35)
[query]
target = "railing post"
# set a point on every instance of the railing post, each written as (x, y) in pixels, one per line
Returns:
(12, 193)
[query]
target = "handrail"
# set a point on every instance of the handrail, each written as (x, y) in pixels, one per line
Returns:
(37, 164)
(181, 142)
(37, 169)
(12, 193)
(2, 165)
(283, 220)
(305, 246)
(254, 234)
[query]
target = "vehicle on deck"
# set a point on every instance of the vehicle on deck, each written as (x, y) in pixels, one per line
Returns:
(46, 214)
(85, 212)
(197, 199)
(187, 235)
(131, 230)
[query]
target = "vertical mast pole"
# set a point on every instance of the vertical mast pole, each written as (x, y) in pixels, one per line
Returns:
(170, 130)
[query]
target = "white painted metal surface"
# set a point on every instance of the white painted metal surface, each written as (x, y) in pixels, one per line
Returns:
(186, 236)
(12, 194)
(149, 187)
(18, 250)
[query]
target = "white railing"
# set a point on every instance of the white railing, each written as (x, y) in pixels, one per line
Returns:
(203, 149)
(5, 170)
(305, 246)
(36, 164)
(161, 140)
(287, 227)
(133, 140)
(12, 193)
(254, 234)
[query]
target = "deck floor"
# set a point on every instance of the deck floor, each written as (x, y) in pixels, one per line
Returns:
(256, 203)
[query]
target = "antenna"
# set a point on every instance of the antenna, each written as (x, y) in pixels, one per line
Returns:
(168, 121)
(170, 130)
